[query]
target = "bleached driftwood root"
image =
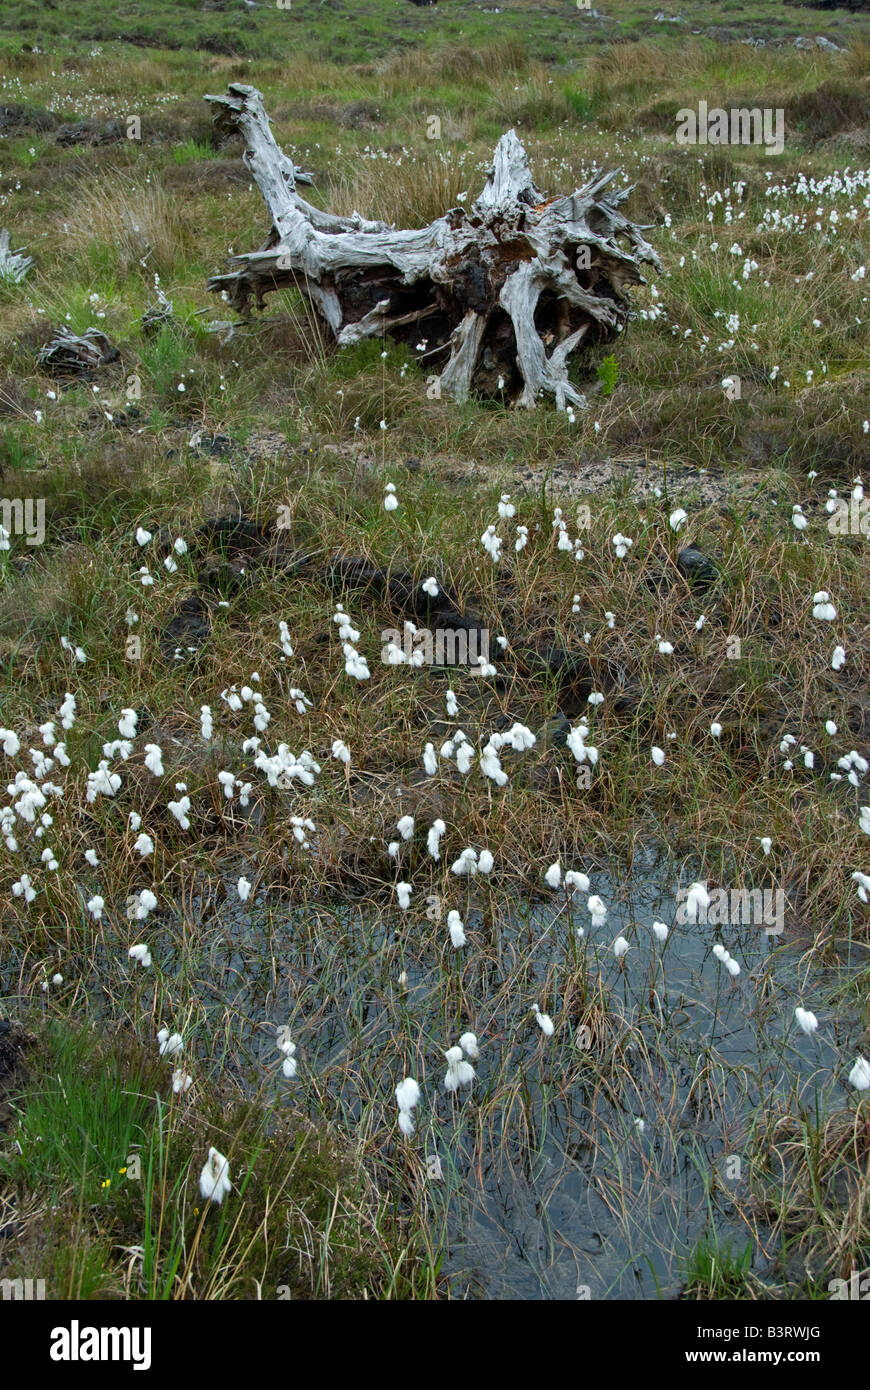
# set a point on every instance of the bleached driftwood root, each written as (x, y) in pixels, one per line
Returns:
(71, 353)
(502, 292)
(158, 315)
(14, 265)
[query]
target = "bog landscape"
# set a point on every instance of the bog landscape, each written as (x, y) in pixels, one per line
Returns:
(434, 650)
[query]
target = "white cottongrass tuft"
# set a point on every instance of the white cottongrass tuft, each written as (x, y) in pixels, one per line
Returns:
(459, 1072)
(621, 544)
(214, 1180)
(576, 881)
(806, 1021)
(147, 903)
(170, 1043)
(436, 831)
(724, 958)
(859, 1076)
(697, 899)
(407, 1094)
(407, 1097)
(863, 882)
(597, 910)
(544, 1022)
(456, 927)
(154, 759)
(823, 610)
(553, 875)
(491, 543)
(576, 742)
(11, 743)
(287, 1048)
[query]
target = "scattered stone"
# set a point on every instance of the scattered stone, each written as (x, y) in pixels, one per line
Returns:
(554, 733)
(696, 568)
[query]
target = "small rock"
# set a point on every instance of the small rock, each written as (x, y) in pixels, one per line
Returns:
(696, 568)
(554, 734)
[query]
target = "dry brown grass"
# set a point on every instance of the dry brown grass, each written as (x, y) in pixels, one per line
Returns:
(409, 194)
(136, 216)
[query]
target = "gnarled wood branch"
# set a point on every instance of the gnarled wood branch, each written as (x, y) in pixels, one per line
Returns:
(503, 292)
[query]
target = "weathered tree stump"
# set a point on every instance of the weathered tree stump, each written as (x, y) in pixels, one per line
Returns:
(14, 265)
(72, 353)
(502, 292)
